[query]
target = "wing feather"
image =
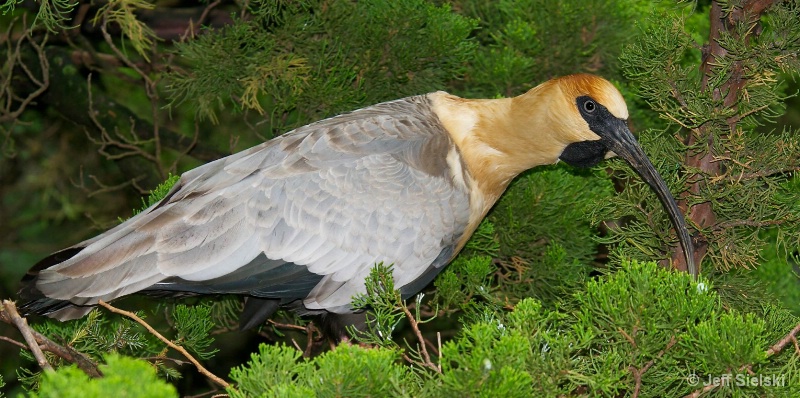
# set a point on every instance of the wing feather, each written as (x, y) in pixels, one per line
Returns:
(303, 216)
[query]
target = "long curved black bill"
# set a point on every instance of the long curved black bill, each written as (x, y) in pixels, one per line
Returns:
(625, 145)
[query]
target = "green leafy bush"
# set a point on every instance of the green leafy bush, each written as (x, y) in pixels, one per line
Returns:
(122, 377)
(347, 371)
(643, 328)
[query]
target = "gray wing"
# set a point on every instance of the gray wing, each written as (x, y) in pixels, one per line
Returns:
(303, 216)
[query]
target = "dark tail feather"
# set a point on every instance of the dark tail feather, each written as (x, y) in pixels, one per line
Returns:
(34, 302)
(59, 309)
(256, 311)
(335, 325)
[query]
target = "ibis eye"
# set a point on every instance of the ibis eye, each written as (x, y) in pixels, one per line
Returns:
(589, 106)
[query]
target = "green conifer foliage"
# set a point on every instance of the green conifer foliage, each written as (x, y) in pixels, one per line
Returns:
(306, 66)
(642, 329)
(558, 293)
(348, 371)
(123, 377)
(543, 39)
(730, 175)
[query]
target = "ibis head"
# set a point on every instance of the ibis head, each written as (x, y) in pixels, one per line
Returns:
(603, 110)
(582, 120)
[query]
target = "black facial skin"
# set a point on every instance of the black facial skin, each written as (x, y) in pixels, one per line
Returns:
(602, 123)
(584, 153)
(615, 136)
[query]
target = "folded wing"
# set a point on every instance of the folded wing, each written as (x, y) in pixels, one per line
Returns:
(304, 216)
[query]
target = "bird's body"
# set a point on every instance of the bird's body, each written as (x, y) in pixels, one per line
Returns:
(302, 218)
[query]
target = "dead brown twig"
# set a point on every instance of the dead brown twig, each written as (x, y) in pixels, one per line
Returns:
(168, 342)
(14, 55)
(310, 330)
(151, 90)
(412, 320)
(10, 311)
(67, 353)
(102, 187)
(131, 146)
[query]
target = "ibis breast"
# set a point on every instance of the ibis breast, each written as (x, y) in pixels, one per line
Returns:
(304, 216)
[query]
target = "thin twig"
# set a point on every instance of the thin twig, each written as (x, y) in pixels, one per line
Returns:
(677, 94)
(22, 324)
(42, 85)
(637, 373)
(190, 30)
(166, 341)
(777, 347)
(286, 325)
(165, 359)
(423, 350)
(185, 152)
(151, 91)
(628, 337)
(768, 173)
(309, 329)
(66, 353)
(309, 339)
(210, 394)
(439, 342)
(131, 145)
(701, 391)
(736, 119)
(14, 342)
(110, 188)
(746, 223)
(296, 346)
(120, 55)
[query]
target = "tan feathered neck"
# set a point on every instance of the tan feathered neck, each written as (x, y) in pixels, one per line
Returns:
(500, 138)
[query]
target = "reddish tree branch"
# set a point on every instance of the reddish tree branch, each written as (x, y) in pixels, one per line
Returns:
(702, 215)
(777, 347)
(13, 342)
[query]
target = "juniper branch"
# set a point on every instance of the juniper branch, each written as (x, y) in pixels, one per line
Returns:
(778, 347)
(637, 373)
(774, 349)
(195, 362)
(422, 347)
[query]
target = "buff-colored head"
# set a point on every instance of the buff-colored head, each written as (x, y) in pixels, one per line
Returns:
(561, 112)
(574, 86)
(578, 119)
(589, 115)
(509, 136)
